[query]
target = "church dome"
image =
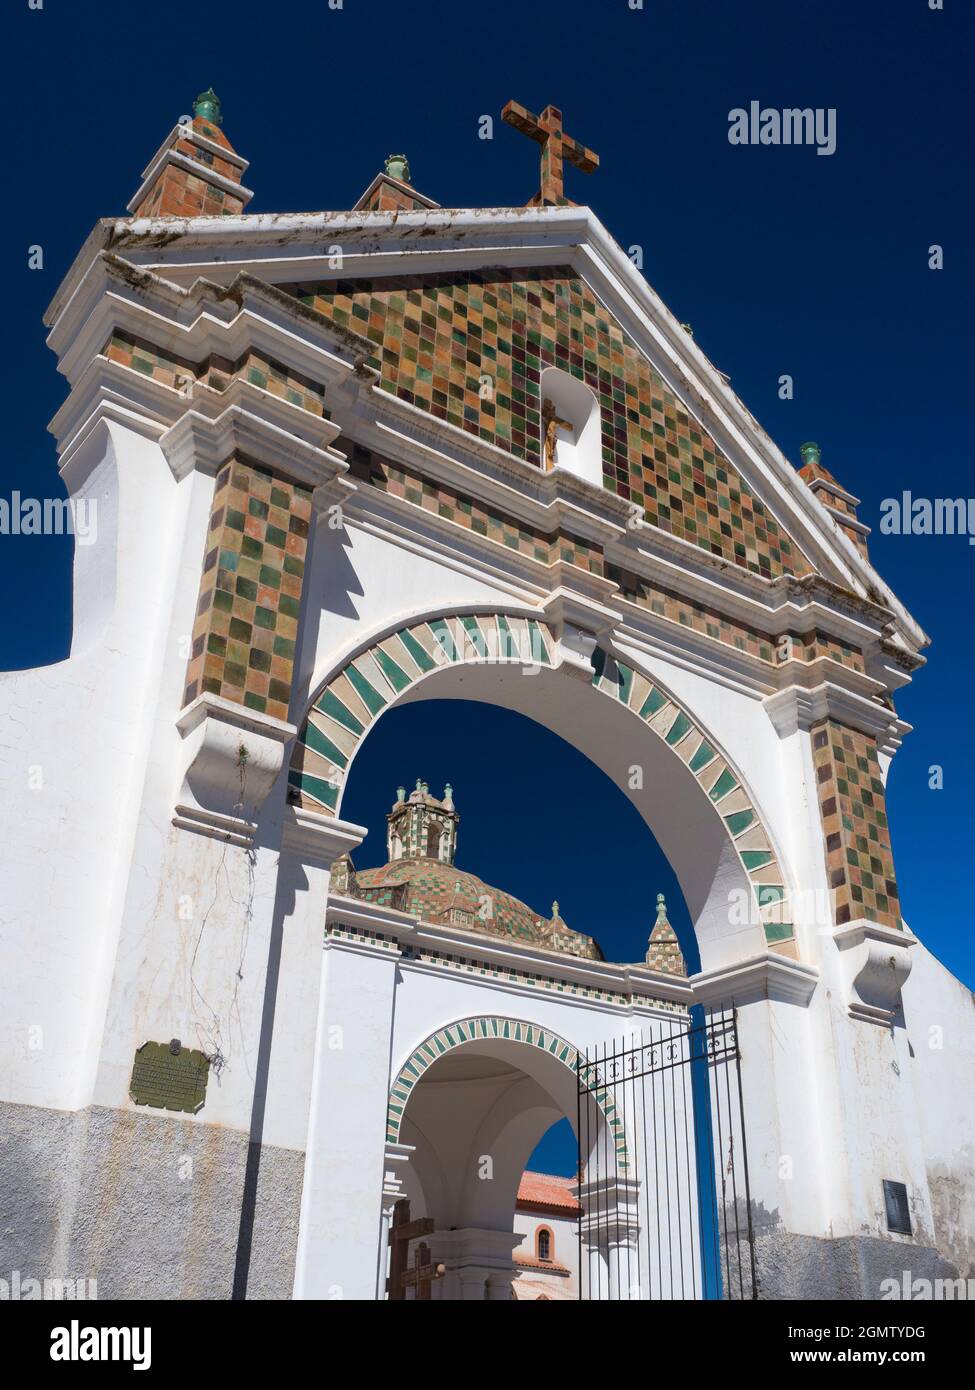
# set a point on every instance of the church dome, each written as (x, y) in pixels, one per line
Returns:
(421, 878)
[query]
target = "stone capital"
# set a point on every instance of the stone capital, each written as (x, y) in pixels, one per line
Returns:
(317, 839)
(769, 976)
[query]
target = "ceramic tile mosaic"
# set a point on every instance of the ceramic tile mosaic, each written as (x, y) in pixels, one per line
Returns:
(179, 192)
(389, 196)
(435, 337)
(853, 806)
(343, 711)
(467, 512)
(396, 480)
(250, 592)
(217, 372)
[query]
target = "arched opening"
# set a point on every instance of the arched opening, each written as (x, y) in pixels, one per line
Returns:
(690, 796)
(531, 836)
(433, 840)
(471, 1123)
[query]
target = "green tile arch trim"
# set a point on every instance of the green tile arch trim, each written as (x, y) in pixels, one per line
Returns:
(487, 1027)
(496, 637)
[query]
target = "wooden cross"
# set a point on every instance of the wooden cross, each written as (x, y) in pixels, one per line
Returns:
(401, 1277)
(423, 1273)
(546, 130)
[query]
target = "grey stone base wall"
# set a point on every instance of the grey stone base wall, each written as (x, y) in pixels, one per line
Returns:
(150, 1206)
(808, 1267)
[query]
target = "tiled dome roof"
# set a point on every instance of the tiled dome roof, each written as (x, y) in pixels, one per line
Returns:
(445, 895)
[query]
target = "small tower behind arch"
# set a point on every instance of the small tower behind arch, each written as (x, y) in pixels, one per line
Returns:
(422, 827)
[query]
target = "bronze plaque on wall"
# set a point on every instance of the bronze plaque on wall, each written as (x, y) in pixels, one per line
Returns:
(169, 1077)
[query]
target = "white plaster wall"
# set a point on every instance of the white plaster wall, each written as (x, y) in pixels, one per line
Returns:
(83, 724)
(940, 1029)
(364, 583)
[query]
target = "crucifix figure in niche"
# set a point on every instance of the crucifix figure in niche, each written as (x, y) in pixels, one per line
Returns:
(552, 425)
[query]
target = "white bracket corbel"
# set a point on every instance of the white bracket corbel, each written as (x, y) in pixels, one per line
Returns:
(876, 963)
(231, 758)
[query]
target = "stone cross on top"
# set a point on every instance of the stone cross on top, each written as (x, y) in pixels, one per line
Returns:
(546, 130)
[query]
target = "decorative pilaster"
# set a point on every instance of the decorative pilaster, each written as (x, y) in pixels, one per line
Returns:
(853, 807)
(250, 591)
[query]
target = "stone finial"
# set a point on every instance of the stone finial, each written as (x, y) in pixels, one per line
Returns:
(448, 794)
(400, 794)
(841, 505)
(187, 178)
(663, 948)
(207, 105)
(555, 911)
(398, 167)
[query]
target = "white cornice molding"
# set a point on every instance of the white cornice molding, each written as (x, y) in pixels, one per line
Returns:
(632, 631)
(183, 131)
(796, 708)
(637, 981)
(316, 839)
(205, 438)
(193, 324)
(769, 976)
(400, 186)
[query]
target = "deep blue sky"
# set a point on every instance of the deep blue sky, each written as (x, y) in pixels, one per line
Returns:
(782, 260)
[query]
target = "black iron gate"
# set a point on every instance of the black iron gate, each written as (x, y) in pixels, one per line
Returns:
(663, 1165)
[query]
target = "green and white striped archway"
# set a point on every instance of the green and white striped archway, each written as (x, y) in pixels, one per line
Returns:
(493, 1028)
(373, 680)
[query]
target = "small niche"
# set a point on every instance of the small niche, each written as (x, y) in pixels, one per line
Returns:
(571, 433)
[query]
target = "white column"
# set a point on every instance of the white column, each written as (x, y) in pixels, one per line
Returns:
(340, 1239)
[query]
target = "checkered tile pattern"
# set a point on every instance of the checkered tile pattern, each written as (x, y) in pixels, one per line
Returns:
(179, 193)
(437, 336)
(247, 616)
(853, 806)
(388, 196)
(217, 372)
(468, 512)
(472, 515)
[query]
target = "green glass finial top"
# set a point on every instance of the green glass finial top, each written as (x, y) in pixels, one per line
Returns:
(661, 908)
(810, 452)
(398, 167)
(207, 105)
